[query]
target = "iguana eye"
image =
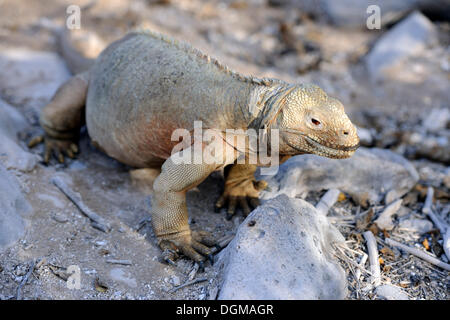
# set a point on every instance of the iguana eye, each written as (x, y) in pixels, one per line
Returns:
(315, 122)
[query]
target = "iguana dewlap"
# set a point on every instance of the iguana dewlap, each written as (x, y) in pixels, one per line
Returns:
(144, 86)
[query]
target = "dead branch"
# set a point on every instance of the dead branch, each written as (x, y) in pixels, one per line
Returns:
(429, 211)
(122, 262)
(25, 280)
(373, 258)
(97, 221)
(189, 283)
(361, 264)
(327, 201)
(446, 243)
(344, 257)
(418, 253)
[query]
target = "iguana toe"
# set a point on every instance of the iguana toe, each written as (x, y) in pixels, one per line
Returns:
(56, 147)
(169, 252)
(193, 246)
(35, 141)
(204, 237)
(243, 194)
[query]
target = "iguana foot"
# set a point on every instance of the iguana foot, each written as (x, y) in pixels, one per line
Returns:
(242, 193)
(57, 147)
(195, 246)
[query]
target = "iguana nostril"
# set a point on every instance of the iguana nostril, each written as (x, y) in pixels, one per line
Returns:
(346, 133)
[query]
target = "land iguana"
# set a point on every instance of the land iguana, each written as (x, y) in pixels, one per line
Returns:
(145, 85)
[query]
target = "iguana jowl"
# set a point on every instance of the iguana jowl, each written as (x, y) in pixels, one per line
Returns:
(145, 85)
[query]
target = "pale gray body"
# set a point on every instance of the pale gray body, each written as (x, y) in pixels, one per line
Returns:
(133, 123)
(145, 85)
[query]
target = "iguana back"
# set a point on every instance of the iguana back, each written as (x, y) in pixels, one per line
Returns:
(144, 86)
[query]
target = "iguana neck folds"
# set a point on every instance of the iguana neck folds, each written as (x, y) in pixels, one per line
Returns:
(266, 103)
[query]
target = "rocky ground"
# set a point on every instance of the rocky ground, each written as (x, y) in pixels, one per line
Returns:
(394, 83)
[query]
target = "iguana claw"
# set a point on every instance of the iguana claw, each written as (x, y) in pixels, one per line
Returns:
(194, 246)
(243, 194)
(57, 147)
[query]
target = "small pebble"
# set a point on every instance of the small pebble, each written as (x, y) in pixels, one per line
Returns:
(175, 281)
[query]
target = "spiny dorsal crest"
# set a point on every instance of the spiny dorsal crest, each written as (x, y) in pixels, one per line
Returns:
(208, 59)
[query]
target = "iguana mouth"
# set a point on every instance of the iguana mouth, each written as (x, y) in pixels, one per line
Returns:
(323, 149)
(315, 143)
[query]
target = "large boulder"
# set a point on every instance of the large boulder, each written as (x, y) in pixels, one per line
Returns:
(408, 38)
(354, 13)
(283, 250)
(368, 176)
(13, 208)
(11, 154)
(30, 78)
(350, 13)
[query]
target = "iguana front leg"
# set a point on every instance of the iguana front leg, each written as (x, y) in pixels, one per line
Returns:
(62, 119)
(169, 211)
(241, 189)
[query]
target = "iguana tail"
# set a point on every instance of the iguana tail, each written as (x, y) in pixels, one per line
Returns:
(76, 61)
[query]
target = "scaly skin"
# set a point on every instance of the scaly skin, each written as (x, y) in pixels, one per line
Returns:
(144, 86)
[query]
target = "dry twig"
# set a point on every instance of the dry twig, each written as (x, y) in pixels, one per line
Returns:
(446, 243)
(25, 280)
(327, 201)
(429, 212)
(361, 264)
(373, 257)
(97, 221)
(344, 257)
(189, 283)
(122, 262)
(420, 254)
(444, 229)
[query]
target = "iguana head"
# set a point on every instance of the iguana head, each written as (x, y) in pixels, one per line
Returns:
(309, 121)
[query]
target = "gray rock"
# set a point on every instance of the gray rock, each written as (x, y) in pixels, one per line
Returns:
(350, 13)
(367, 176)
(353, 13)
(122, 276)
(408, 38)
(446, 180)
(436, 120)
(13, 209)
(30, 78)
(365, 136)
(175, 280)
(416, 225)
(384, 221)
(389, 292)
(285, 254)
(433, 147)
(11, 154)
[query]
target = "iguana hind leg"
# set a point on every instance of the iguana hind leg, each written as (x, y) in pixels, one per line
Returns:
(62, 119)
(241, 189)
(144, 178)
